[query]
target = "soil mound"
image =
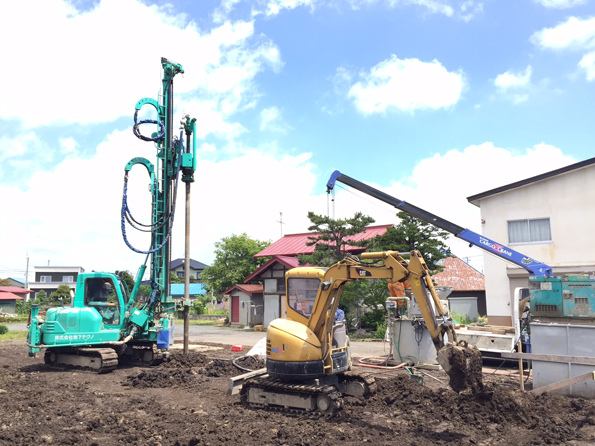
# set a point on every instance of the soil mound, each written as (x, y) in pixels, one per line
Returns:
(164, 377)
(222, 368)
(177, 359)
(444, 414)
(250, 363)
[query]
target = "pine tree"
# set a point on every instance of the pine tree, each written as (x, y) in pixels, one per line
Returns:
(333, 237)
(412, 233)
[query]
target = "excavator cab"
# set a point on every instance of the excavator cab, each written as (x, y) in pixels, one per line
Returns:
(100, 294)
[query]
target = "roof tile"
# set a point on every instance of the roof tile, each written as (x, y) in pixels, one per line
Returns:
(459, 276)
(295, 244)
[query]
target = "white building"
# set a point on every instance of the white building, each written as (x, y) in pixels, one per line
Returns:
(49, 278)
(549, 218)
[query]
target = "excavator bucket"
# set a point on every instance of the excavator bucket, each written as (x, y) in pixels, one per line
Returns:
(463, 365)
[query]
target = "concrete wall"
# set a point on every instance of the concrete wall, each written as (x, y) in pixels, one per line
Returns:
(568, 200)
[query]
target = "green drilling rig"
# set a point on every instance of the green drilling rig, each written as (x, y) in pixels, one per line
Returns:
(106, 323)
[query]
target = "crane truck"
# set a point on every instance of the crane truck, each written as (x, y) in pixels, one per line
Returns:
(308, 357)
(539, 272)
(106, 323)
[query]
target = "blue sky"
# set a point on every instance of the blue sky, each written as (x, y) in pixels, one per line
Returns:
(429, 100)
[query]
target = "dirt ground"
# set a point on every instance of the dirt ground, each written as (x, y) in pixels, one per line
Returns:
(184, 402)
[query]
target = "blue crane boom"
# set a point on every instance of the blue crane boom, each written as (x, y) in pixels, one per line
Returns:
(534, 267)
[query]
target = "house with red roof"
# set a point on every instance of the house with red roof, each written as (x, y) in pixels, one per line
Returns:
(465, 281)
(9, 295)
(283, 255)
(293, 245)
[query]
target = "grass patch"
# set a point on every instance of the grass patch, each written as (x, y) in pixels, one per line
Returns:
(14, 334)
(13, 320)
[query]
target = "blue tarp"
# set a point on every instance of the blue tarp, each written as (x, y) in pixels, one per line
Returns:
(177, 289)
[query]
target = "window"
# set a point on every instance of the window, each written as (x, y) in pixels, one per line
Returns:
(529, 231)
(302, 294)
(180, 273)
(100, 294)
(45, 279)
(67, 279)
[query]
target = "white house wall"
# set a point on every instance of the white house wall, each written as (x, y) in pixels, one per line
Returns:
(568, 200)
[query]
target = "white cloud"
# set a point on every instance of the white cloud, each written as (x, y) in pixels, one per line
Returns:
(274, 7)
(510, 79)
(469, 9)
(515, 85)
(407, 85)
(465, 10)
(68, 145)
(73, 211)
(574, 34)
(94, 66)
(442, 183)
(19, 146)
(587, 63)
(271, 120)
(560, 4)
(435, 6)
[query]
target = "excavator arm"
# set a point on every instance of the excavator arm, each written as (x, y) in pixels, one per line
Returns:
(420, 281)
(460, 361)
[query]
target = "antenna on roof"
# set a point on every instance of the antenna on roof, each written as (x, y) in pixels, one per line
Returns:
(280, 221)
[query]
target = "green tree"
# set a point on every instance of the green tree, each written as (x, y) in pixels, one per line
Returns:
(128, 279)
(332, 238)
(234, 261)
(5, 282)
(61, 296)
(365, 293)
(175, 279)
(23, 307)
(144, 292)
(42, 298)
(412, 233)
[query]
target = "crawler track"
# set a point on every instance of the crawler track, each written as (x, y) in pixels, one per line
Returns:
(143, 355)
(366, 380)
(273, 394)
(94, 360)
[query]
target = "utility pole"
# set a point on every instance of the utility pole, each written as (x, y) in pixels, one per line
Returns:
(280, 221)
(27, 273)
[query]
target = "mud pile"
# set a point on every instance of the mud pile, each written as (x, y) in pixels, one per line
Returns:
(250, 363)
(182, 406)
(177, 359)
(164, 377)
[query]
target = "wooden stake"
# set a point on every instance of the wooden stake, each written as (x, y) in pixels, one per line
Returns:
(520, 348)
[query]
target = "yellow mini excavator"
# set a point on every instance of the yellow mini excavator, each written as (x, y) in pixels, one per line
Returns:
(308, 359)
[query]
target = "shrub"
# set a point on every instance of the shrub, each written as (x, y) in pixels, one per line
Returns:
(3, 329)
(462, 319)
(23, 308)
(373, 318)
(380, 332)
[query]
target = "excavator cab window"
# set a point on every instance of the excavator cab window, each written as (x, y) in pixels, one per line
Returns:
(100, 294)
(302, 294)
